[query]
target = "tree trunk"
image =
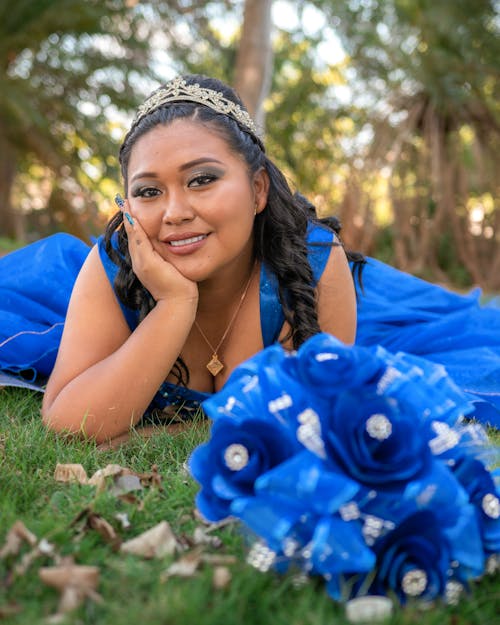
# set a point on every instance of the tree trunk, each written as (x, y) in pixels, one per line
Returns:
(253, 69)
(9, 225)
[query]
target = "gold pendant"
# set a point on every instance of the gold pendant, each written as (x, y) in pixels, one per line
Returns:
(215, 366)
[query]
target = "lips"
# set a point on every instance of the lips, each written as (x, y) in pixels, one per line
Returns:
(185, 243)
(187, 240)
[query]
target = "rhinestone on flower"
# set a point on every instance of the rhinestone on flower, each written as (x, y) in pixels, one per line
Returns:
(280, 403)
(372, 528)
(261, 557)
(378, 426)
(491, 506)
(446, 438)
(309, 432)
(236, 457)
(414, 582)
(349, 511)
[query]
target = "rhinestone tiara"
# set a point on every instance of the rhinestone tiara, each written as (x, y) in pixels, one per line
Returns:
(178, 90)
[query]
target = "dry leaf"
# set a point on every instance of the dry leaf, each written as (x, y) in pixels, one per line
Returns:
(184, 567)
(70, 473)
(9, 609)
(221, 577)
(98, 479)
(157, 542)
(43, 548)
(125, 484)
(153, 478)
(217, 559)
(202, 537)
(17, 534)
(107, 531)
(74, 582)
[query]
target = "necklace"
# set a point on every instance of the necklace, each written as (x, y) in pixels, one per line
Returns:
(214, 365)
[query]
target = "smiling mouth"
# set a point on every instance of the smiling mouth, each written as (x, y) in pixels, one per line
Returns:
(188, 241)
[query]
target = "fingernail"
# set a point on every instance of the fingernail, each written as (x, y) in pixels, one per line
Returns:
(129, 218)
(119, 201)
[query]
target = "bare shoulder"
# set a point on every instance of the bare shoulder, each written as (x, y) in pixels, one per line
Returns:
(337, 297)
(94, 326)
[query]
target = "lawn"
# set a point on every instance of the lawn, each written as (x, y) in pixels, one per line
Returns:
(79, 525)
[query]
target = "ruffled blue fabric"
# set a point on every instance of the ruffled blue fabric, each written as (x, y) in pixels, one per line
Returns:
(403, 313)
(356, 465)
(35, 287)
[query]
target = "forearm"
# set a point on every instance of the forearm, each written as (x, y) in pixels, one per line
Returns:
(110, 396)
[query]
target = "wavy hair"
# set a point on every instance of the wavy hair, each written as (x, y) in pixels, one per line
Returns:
(279, 230)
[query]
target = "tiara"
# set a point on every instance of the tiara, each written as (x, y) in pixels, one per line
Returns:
(178, 90)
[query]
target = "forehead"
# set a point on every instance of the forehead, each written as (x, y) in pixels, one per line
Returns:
(181, 141)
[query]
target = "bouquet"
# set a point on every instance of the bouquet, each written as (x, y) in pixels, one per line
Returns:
(356, 465)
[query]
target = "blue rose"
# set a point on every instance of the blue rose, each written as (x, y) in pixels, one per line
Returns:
(374, 441)
(413, 560)
(484, 494)
(329, 366)
(236, 454)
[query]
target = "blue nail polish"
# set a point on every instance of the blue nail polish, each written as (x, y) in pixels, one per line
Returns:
(119, 201)
(129, 218)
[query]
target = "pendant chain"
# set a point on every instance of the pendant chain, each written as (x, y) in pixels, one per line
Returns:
(214, 365)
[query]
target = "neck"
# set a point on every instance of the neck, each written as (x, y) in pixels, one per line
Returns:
(222, 290)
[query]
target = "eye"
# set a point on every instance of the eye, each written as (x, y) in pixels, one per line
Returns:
(201, 180)
(145, 192)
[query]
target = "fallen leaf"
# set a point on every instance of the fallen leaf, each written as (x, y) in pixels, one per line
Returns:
(42, 549)
(153, 478)
(157, 542)
(17, 534)
(88, 519)
(74, 582)
(102, 527)
(70, 473)
(221, 577)
(9, 609)
(125, 484)
(184, 567)
(98, 479)
(202, 537)
(216, 559)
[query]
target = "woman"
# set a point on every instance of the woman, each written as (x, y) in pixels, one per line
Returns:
(206, 264)
(210, 259)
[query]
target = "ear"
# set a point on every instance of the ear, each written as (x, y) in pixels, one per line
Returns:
(261, 189)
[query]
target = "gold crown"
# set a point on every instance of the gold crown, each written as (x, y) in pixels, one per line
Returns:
(178, 90)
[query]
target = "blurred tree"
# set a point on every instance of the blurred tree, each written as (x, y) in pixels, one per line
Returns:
(66, 68)
(429, 72)
(253, 71)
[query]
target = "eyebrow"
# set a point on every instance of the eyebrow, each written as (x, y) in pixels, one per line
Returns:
(188, 165)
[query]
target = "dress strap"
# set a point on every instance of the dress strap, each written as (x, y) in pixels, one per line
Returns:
(319, 241)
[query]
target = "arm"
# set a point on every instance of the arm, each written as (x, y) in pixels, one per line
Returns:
(105, 376)
(336, 298)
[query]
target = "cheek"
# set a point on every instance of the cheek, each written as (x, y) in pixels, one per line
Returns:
(149, 218)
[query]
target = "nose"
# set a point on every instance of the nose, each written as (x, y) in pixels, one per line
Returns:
(177, 209)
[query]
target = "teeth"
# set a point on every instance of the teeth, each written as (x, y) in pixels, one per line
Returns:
(187, 241)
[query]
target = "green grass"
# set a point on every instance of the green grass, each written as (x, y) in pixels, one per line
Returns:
(132, 588)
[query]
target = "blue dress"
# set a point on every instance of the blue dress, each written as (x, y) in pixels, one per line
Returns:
(396, 310)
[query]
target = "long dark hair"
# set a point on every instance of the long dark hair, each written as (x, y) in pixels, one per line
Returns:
(279, 230)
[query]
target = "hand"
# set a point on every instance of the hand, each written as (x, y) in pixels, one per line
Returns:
(159, 276)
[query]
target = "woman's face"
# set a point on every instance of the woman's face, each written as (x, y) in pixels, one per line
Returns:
(194, 197)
